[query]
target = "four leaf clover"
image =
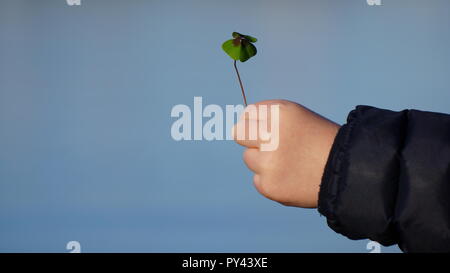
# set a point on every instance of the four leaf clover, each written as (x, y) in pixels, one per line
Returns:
(240, 48)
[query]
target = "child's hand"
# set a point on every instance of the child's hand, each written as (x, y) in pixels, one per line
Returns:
(292, 173)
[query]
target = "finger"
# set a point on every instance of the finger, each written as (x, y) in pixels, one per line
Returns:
(257, 183)
(245, 133)
(251, 159)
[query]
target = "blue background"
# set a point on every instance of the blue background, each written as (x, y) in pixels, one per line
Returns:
(85, 99)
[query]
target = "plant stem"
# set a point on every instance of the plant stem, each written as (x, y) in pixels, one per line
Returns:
(240, 83)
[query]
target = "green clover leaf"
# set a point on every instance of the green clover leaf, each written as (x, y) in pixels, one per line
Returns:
(241, 47)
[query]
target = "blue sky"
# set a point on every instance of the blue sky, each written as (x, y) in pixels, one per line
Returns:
(85, 99)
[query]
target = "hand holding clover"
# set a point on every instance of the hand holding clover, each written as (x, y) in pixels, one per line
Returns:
(292, 173)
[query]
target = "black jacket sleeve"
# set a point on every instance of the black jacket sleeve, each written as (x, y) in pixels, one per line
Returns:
(388, 179)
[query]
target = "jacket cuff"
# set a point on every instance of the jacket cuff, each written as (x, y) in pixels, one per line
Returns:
(360, 180)
(332, 176)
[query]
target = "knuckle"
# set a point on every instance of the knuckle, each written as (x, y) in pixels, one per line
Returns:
(275, 188)
(247, 156)
(257, 182)
(266, 187)
(251, 159)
